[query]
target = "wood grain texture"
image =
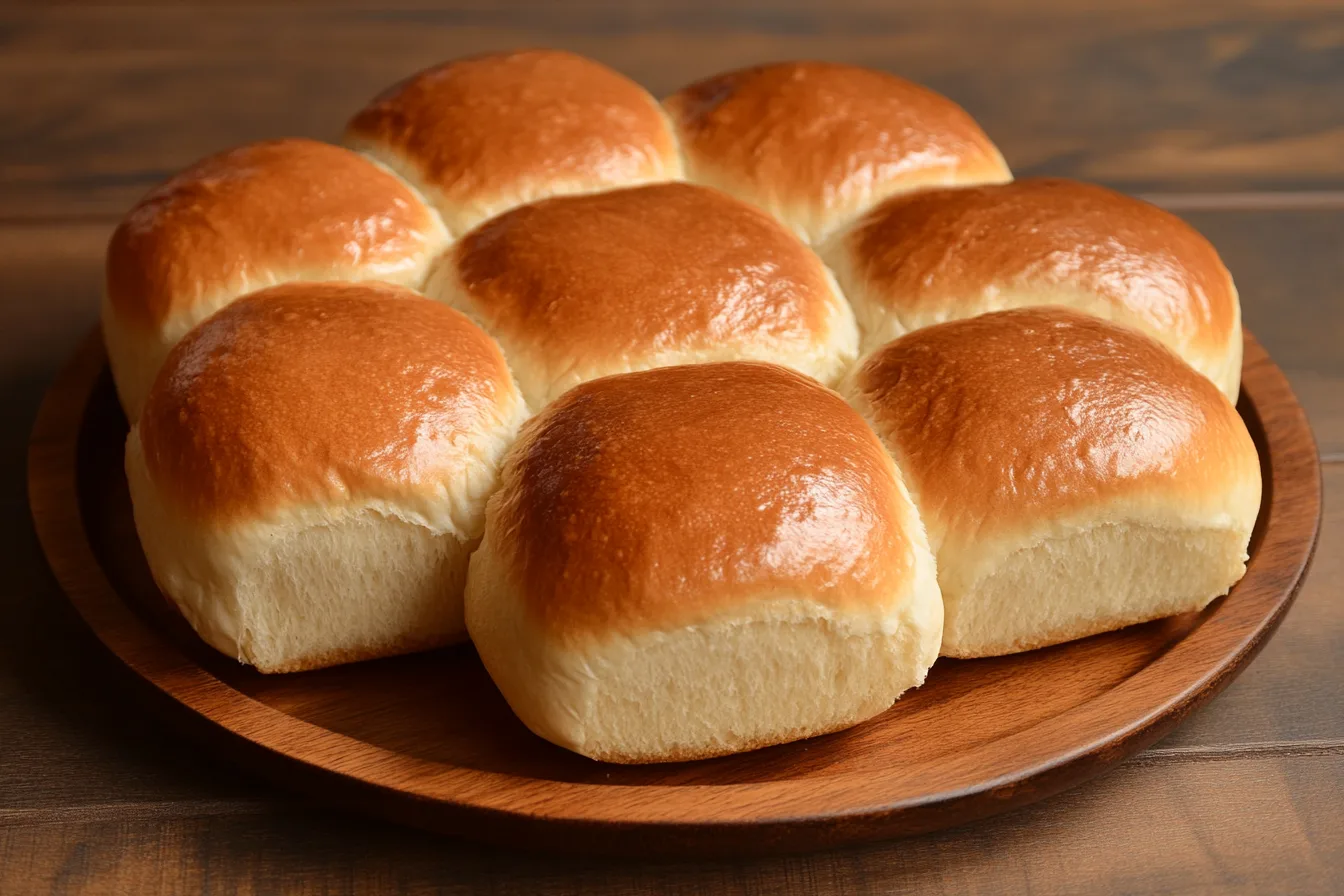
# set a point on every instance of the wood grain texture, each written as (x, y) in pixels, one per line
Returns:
(1187, 101)
(105, 101)
(1261, 825)
(427, 740)
(1288, 266)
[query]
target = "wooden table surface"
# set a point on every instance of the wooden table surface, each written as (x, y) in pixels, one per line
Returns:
(1231, 114)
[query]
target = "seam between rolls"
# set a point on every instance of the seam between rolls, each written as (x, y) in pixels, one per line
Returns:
(678, 146)
(861, 405)
(403, 170)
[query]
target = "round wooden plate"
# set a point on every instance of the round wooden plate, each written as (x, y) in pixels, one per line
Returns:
(427, 740)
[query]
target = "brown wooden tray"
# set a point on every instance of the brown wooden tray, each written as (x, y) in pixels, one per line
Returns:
(427, 740)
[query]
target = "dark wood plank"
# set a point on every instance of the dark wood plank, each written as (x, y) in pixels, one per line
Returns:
(1240, 95)
(104, 101)
(1288, 266)
(60, 699)
(1238, 826)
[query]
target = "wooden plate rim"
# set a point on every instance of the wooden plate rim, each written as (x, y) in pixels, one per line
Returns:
(836, 808)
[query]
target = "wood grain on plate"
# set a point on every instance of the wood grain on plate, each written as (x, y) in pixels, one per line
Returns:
(427, 739)
(104, 101)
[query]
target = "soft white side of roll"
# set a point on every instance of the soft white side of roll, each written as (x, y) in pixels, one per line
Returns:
(769, 671)
(308, 588)
(1129, 573)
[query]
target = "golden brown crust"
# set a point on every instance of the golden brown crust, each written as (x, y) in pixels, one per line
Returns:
(1039, 413)
(632, 272)
(500, 123)
(259, 213)
(947, 252)
(310, 393)
(658, 499)
(824, 136)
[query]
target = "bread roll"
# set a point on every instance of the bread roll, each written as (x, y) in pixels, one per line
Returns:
(938, 255)
(483, 134)
(584, 286)
(252, 217)
(816, 143)
(311, 468)
(1073, 474)
(700, 560)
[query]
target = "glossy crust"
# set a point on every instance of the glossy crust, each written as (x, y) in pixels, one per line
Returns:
(322, 394)
(660, 499)
(259, 215)
(946, 253)
(817, 143)
(642, 277)
(1011, 420)
(486, 133)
